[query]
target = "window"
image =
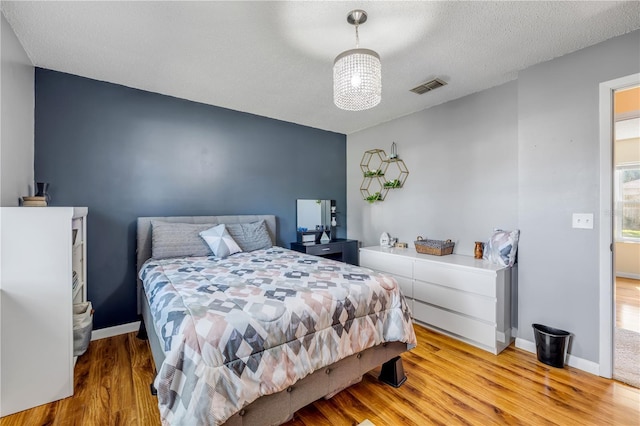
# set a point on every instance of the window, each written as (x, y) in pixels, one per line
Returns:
(627, 199)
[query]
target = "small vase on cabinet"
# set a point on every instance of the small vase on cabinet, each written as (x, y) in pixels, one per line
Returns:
(478, 250)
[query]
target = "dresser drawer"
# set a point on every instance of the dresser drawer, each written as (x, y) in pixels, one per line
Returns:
(469, 304)
(322, 249)
(479, 282)
(387, 263)
(406, 285)
(410, 305)
(466, 327)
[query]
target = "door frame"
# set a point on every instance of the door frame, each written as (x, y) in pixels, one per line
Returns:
(606, 242)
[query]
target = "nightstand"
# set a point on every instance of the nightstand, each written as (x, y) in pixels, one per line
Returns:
(340, 249)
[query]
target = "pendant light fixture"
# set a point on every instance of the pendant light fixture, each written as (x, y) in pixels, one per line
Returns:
(357, 73)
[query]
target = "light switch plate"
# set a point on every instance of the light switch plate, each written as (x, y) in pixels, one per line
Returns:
(582, 220)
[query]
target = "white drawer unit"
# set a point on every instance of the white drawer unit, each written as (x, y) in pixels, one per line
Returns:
(463, 297)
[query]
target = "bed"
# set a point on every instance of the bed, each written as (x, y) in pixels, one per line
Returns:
(281, 329)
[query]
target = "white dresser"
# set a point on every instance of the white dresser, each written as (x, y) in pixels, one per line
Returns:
(464, 297)
(38, 257)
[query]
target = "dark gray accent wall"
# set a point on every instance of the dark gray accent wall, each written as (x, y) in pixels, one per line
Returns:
(125, 153)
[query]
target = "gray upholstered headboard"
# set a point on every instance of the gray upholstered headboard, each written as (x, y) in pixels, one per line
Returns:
(143, 251)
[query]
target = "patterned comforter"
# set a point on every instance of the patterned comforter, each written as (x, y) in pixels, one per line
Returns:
(253, 324)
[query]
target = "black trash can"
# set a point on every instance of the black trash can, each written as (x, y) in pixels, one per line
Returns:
(551, 345)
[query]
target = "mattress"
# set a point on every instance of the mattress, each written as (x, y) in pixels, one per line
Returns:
(252, 324)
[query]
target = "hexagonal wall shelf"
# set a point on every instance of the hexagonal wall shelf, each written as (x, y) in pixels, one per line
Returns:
(373, 163)
(396, 174)
(380, 174)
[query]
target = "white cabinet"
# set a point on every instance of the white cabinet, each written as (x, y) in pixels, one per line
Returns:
(37, 259)
(466, 298)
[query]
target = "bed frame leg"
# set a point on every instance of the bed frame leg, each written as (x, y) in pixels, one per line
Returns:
(392, 373)
(142, 331)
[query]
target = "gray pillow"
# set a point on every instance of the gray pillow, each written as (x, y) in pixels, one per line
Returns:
(178, 239)
(250, 236)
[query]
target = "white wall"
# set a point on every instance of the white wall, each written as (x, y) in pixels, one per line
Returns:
(16, 119)
(462, 158)
(522, 155)
(559, 175)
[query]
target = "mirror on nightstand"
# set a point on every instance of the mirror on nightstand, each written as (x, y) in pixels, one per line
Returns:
(313, 217)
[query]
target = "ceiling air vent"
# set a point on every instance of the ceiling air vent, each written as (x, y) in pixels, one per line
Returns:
(428, 86)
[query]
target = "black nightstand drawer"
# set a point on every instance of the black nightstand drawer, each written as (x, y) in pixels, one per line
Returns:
(322, 249)
(340, 249)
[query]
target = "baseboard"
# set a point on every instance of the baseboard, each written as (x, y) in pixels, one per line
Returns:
(572, 360)
(628, 275)
(525, 345)
(584, 364)
(117, 330)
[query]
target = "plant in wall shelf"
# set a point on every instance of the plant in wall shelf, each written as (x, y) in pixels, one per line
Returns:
(395, 183)
(374, 197)
(372, 173)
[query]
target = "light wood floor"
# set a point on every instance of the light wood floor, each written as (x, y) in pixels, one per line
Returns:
(628, 304)
(448, 383)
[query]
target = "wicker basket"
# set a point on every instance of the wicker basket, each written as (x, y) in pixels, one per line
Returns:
(434, 247)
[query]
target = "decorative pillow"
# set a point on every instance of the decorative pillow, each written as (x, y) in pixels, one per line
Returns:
(178, 239)
(502, 247)
(220, 242)
(250, 236)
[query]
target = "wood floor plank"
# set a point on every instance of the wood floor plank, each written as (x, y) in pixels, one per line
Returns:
(98, 404)
(449, 382)
(464, 384)
(627, 295)
(122, 400)
(497, 410)
(143, 373)
(543, 384)
(558, 402)
(310, 417)
(71, 410)
(352, 410)
(391, 404)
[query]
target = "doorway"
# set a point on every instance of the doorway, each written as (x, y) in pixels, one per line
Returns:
(619, 233)
(626, 235)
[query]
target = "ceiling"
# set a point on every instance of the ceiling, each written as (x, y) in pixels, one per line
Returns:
(275, 59)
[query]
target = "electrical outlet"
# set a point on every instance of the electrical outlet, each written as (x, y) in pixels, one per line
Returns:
(582, 220)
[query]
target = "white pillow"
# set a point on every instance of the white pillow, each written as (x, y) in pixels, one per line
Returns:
(502, 247)
(220, 242)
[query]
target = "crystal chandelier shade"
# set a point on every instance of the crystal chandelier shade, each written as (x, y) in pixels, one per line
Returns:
(357, 80)
(357, 74)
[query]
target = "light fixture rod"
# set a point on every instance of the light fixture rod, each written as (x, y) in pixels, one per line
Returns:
(357, 17)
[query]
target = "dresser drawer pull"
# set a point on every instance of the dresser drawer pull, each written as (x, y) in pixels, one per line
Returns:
(326, 249)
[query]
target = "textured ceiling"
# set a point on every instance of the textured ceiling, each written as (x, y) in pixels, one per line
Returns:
(275, 58)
